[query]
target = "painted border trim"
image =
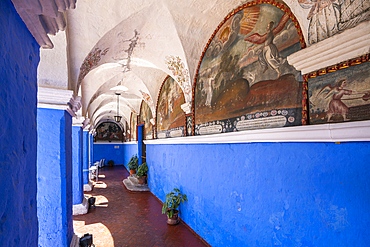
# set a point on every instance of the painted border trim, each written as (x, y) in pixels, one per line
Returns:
(335, 132)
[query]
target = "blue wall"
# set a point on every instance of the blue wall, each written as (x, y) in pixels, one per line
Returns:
(108, 152)
(267, 194)
(129, 150)
(19, 57)
(77, 182)
(54, 177)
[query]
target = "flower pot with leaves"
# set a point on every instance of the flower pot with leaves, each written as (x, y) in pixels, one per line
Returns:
(133, 164)
(110, 163)
(142, 172)
(171, 205)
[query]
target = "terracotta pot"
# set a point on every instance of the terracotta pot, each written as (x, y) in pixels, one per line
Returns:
(132, 172)
(142, 180)
(174, 220)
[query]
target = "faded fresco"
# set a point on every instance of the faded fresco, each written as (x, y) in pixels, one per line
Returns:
(133, 123)
(328, 17)
(170, 116)
(340, 96)
(108, 131)
(145, 116)
(127, 133)
(244, 80)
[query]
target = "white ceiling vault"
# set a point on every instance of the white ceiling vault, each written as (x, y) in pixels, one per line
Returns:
(137, 43)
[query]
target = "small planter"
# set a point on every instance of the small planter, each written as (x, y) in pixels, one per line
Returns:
(174, 220)
(132, 172)
(142, 180)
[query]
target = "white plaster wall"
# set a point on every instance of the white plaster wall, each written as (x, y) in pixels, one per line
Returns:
(52, 71)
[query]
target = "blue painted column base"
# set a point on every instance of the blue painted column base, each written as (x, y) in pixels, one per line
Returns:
(54, 177)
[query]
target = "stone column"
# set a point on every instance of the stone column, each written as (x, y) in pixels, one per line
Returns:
(85, 160)
(54, 167)
(80, 204)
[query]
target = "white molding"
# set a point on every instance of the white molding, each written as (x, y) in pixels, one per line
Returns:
(131, 142)
(53, 96)
(60, 99)
(336, 132)
(78, 121)
(341, 47)
(107, 142)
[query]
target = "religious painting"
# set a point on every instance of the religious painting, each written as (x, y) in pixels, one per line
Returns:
(145, 116)
(340, 96)
(170, 116)
(108, 131)
(127, 133)
(133, 128)
(328, 17)
(244, 80)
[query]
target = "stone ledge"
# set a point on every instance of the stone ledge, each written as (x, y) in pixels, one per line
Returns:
(89, 186)
(132, 184)
(75, 241)
(82, 208)
(341, 47)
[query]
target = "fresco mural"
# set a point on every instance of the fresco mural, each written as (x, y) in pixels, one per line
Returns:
(244, 80)
(108, 131)
(328, 17)
(170, 117)
(341, 95)
(133, 126)
(127, 135)
(145, 116)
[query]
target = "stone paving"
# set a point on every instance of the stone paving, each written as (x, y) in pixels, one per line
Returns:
(123, 218)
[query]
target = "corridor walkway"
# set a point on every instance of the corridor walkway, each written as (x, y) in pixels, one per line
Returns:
(123, 218)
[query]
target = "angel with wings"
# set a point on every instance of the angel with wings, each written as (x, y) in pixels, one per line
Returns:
(336, 105)
(270, 56)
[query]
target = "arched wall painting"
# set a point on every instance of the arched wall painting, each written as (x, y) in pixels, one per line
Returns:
(145, 116)
(340, 93)
(133, 123)
(108, 131)
(244, 80)
(170, 117)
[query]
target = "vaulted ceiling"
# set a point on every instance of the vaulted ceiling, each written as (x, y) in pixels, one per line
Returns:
(136, 44)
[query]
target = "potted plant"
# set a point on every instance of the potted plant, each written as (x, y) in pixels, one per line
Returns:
(142, 172)
(171, 205)
(133, 164)
(110, 163)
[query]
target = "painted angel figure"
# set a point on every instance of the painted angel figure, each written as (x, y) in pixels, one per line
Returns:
(336, 105)
(270, 56)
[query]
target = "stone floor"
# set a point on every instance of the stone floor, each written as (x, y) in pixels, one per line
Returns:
(123, 218)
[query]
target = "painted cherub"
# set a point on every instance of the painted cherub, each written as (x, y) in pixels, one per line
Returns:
(336, 105)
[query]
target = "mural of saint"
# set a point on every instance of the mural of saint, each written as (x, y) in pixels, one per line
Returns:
(244, 80)
(170, 116)
(109, 131)
(133, 125)
(328, 17)
(145, 116)
(340, 96)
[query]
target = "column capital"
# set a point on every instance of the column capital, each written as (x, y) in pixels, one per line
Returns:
(186, 107)
(60, 99)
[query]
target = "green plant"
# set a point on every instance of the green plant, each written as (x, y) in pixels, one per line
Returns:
(110, 162)
(133, 163)
(142, 170)
(173, 200)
